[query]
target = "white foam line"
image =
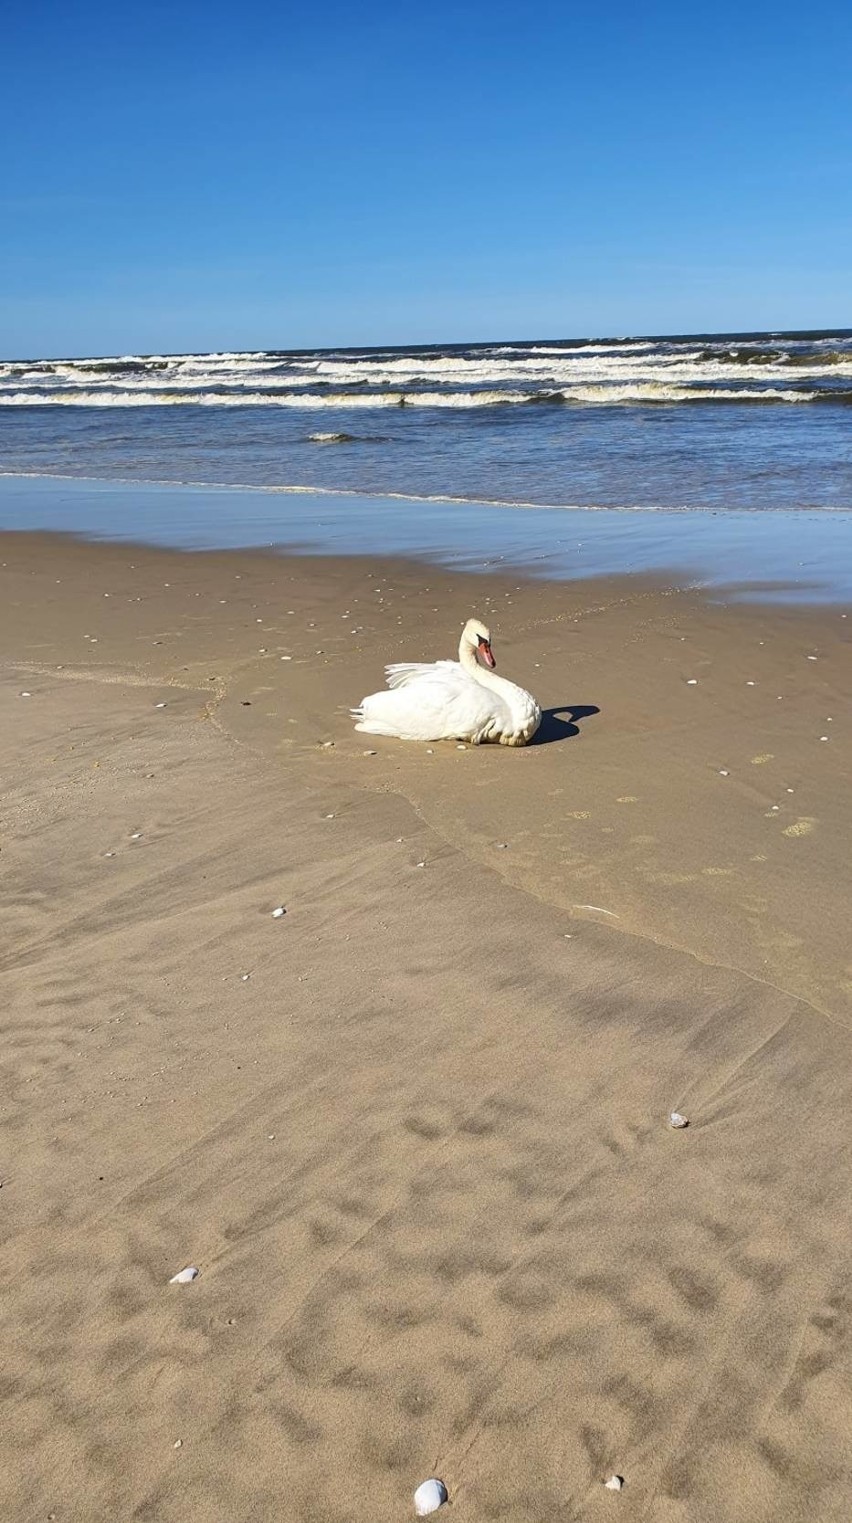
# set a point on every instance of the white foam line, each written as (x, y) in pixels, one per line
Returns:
(653, 393)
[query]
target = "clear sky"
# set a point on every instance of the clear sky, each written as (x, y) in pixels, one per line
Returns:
(284, 173)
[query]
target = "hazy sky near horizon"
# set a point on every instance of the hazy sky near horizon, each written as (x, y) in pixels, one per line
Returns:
(272, 175)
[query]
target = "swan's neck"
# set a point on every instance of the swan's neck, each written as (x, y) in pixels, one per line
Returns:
(482, 675)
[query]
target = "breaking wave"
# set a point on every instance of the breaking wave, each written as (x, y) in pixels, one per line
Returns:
(601, 395)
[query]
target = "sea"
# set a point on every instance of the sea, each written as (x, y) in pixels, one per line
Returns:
(754, 425)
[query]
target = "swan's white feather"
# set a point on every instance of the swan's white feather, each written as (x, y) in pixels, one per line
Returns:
(403, 672)
(434, 705)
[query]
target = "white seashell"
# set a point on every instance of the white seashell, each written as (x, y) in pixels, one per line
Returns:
(812, 658)
(723, 772)
(159, 705)
(26, 695)
(429, 1496)
(276, 914)
(677, 1120)
(184, 1276)
(370, 753)
(615, 1483)
(692, 681)
(178, 1443)
(136, 836)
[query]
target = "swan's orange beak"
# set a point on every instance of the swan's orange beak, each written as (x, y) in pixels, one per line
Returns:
(486, 653)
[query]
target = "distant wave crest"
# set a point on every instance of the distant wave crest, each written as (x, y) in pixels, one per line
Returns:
(768, 368)
(606, 395)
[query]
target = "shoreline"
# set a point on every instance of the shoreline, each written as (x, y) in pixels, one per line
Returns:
(414, 1132)
(296, 490)
(792, 557)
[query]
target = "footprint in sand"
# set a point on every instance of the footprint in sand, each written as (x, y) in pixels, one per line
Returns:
(800, 828)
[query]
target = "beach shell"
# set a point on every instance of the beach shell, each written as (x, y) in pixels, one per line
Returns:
(429, 1496)
(184, 1276)
(678, 1121)
(692, 681)
(615, 1483)
(276, 914)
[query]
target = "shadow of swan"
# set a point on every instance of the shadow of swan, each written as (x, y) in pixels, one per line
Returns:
(562, 723)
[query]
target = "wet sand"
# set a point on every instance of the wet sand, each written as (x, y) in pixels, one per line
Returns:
(420, 1152)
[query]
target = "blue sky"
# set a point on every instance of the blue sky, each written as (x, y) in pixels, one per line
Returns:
(195, 176)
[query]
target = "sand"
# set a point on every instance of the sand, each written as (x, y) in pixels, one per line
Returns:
(414, 1131)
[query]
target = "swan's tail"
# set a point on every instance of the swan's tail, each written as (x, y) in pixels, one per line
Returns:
(370, 722)
(372, 726)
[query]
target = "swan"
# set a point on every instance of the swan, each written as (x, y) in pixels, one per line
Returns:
(452, 700)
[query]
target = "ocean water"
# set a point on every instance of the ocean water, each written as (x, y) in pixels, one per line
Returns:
(740, 423)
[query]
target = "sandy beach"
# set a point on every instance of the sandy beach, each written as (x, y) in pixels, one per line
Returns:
(414, 1131)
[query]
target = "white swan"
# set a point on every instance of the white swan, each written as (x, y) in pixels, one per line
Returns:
(452, 700)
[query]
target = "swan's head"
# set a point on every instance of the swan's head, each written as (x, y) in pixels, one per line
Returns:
(477, 636)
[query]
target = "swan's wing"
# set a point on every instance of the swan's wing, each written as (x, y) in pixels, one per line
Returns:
(403, 672)
(437, 702)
